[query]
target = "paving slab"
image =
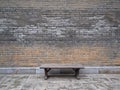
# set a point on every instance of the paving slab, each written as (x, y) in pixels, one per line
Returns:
(37, 82)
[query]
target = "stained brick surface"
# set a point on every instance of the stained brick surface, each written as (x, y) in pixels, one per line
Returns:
(59, 31)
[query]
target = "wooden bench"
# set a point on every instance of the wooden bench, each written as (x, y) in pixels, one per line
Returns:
(48, 67)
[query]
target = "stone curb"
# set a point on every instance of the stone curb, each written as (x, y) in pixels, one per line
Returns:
(37, 70)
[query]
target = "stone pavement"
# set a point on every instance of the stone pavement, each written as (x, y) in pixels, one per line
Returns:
(37, 82)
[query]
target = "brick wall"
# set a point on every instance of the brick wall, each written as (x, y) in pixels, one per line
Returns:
(59, 31)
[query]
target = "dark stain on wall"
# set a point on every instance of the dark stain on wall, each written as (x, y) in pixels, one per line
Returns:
(29, 25)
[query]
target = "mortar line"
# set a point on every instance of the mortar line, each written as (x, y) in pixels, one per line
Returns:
(24, 82)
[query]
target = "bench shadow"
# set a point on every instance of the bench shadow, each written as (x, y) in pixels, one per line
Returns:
(64, 73)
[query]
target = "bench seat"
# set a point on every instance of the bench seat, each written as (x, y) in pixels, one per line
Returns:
(74, 67)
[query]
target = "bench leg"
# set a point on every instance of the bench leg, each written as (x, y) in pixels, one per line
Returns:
(77, 73)
(46, 74)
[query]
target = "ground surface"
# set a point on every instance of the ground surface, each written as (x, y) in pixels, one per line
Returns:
(36, 82)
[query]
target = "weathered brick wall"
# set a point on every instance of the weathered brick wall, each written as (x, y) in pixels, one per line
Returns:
(59, 31)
